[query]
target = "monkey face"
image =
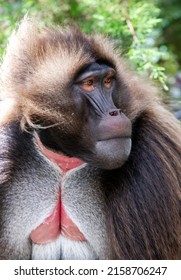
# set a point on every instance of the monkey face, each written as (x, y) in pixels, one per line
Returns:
(103, 133)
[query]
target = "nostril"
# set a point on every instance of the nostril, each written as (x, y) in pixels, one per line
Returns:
(113, 113)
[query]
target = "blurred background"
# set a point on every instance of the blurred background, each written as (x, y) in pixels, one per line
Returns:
(148, 33)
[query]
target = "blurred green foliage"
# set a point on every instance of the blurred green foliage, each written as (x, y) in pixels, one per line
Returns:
(141, 29)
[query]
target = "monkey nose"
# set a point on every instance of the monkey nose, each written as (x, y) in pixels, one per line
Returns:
(114, 112)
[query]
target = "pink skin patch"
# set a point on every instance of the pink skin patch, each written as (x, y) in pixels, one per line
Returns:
(65, 163)
(58, 222)
(50, 229)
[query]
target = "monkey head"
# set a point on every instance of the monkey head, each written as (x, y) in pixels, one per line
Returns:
(68, 93)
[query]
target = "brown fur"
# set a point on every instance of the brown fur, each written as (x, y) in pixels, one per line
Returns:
(144, 196)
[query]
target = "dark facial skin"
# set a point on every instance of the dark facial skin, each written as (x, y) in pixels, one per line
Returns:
(107, 129)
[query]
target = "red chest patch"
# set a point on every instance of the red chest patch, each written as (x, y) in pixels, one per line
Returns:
(58, 222)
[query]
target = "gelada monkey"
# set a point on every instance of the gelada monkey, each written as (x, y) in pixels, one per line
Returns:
(90, 160)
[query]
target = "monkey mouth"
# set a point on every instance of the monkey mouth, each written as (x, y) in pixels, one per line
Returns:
(58, 223)
(113, 152)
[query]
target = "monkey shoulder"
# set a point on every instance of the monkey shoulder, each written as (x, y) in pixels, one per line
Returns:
(19, 154)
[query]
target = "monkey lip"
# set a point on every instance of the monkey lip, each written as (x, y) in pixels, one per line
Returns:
(113, 152)
(58, 222)
(115, 138)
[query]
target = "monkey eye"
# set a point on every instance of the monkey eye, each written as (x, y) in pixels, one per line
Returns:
(108, 81)
(87, 84)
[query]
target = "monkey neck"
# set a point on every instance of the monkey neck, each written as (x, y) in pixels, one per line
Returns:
(58, 222)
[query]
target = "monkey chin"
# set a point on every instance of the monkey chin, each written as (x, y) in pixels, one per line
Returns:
(112, 153)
